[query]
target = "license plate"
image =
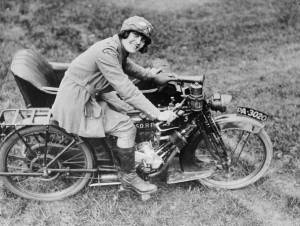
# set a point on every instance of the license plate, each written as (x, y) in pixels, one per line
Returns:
(258, 115)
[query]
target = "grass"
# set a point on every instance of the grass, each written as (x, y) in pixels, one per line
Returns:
(249, 49)
(200, 206)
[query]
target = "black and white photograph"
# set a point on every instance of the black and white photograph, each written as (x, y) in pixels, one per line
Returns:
(150, 112)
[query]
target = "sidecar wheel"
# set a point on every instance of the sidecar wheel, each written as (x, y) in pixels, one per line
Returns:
(29, 150)
(251, 154)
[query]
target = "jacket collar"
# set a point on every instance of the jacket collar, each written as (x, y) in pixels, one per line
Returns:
(120, 47)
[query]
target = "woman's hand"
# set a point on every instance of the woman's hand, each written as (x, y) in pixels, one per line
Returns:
(163, 77)
(154, 71)
(160, 77)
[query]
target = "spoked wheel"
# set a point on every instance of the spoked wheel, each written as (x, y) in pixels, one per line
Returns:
(250, 155)
(46, 163)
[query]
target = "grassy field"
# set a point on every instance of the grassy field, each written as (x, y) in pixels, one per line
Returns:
(247, 48)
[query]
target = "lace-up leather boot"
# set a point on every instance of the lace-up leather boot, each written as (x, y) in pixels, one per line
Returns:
(128, 176)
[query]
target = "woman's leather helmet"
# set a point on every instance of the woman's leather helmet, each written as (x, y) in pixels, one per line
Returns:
(138, 24)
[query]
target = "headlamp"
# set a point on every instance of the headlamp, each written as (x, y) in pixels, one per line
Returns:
(218, 102)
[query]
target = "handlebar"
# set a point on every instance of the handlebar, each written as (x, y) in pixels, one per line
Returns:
(188, 78)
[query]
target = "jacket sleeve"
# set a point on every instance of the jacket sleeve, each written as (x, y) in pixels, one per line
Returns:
(115, 102)
(107, 61)
(135, 70)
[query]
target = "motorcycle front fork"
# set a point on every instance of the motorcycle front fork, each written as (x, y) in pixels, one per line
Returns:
(214, 142)
(218, 151)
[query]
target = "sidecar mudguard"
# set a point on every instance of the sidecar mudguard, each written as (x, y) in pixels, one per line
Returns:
(226, 121)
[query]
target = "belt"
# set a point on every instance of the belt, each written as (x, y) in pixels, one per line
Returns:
(94, 92)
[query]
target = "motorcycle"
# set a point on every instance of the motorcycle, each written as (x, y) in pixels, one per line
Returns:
(41, 161)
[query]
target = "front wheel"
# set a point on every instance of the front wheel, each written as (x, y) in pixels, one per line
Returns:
(26, 153)
(250, 151)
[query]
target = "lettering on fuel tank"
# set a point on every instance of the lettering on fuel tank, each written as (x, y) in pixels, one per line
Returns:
(144, 125)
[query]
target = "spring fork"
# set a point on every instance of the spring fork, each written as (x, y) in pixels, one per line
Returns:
(215, 139)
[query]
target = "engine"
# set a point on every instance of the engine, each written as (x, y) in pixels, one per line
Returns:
(146, 155)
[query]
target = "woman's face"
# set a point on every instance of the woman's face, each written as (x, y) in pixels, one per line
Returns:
(134, 42)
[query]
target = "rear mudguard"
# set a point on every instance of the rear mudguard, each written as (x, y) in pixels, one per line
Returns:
(226, 121)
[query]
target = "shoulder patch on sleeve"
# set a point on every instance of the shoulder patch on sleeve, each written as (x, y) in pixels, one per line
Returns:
(109, 51)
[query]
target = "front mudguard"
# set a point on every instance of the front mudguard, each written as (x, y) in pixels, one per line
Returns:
(226, 121)
(229, 121)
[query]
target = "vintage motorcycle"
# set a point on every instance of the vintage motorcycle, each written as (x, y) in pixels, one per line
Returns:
(40, 161)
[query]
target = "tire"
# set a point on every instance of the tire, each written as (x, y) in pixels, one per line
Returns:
(246, 166)
(16, 156)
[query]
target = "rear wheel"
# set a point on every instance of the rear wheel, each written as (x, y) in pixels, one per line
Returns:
(26, 154)
(250, 156)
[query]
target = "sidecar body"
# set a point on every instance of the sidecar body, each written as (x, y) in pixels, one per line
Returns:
(36, 78)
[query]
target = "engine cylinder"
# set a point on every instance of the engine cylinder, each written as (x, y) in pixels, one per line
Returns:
(196, 97)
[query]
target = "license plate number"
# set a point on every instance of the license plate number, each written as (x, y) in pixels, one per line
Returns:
(260, 116)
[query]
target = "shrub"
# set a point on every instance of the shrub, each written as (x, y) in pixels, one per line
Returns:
(219, 30)
(287, 12)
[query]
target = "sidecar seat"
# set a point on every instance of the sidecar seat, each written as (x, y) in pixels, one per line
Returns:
(36, 78)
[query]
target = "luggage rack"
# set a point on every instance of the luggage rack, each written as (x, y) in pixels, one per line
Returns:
(23, 117)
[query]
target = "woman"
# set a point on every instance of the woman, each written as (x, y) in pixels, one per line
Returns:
(103, 68)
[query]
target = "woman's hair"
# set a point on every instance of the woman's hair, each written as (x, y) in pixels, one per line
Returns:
(125, 34)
